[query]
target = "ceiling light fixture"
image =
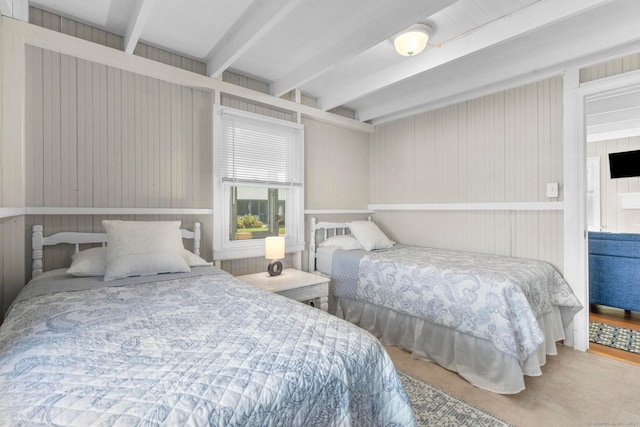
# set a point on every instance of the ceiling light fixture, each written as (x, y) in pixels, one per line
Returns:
(413, 40)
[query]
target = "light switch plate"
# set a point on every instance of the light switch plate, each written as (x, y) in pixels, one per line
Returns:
(552, 189)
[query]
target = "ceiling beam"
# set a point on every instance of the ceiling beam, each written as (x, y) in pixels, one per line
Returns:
(393, 18)
(537, 15)
(256, 21)
(137, 23)
(6, 7)
(526, 71)
(16, 9)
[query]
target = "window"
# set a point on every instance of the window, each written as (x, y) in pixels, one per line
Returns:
(259, 212)
(258, 183)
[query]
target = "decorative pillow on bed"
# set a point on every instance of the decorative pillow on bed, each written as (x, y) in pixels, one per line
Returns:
(194, 260)
(343, 241)
(93, 262)
(142, 248)
(90, 262)
(369, 235)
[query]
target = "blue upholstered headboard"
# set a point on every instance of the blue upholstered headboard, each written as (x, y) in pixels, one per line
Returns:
(614, 270)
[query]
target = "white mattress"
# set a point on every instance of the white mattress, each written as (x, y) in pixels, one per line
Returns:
(324, 259)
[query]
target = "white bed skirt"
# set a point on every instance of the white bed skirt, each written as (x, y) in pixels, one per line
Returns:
(476, 360)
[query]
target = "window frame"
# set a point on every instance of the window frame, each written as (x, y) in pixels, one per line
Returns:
(223, 247)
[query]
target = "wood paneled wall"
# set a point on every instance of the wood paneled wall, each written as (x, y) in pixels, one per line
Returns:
(12, 194)
(112, 132)
(612, 218)
(12, 260)
(244, 81)
(499, 148)
(503, 147)
(336, 167)
(125, 140)
(67, 26)
(336, 173)
(97, 136)
(610, 68)
(257, 108)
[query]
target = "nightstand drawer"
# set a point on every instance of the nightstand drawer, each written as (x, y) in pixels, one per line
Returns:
(310, 292)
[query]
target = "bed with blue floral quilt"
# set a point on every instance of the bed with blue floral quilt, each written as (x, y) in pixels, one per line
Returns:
(199, 348)
(491, 318)
(203, 349)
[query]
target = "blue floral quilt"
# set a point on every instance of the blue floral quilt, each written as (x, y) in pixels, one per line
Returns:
(492, 297)
(208, 350)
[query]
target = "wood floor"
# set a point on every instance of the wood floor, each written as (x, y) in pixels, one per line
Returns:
(619, 318)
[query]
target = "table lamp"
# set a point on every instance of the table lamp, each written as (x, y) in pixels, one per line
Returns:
(274, 250)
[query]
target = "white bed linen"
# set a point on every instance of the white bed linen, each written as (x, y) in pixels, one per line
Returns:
(359, 298)
(451, 349)
(324, 259)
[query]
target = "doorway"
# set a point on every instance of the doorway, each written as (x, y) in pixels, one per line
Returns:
(612, 126)
(576, 268)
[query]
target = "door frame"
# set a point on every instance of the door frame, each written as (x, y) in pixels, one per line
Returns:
(595, 168)
(575, 254)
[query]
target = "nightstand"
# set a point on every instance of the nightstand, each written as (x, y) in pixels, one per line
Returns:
(295, 284)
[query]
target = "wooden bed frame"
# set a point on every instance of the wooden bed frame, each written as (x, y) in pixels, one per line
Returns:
(39, 241)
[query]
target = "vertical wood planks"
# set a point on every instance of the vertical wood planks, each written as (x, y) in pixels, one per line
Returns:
(85, 134)
(102, 137)
(34, 134)
(503, 147)
(114, 138)
(335, 156)
(68, 131)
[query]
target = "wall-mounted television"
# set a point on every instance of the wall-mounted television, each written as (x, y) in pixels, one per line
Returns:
(625, 164)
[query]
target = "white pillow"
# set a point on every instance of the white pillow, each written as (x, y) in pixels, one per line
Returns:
(194, 260)
(142, 248)
(369, 235)
(342, 241)
(93, 262)
(90, 262)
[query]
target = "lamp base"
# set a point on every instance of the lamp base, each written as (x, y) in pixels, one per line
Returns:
(275, 268)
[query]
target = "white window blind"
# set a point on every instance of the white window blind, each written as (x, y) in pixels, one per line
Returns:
(253, 151)
(256, 150)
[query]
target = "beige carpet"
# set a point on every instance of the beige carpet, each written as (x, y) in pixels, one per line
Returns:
(575, 389)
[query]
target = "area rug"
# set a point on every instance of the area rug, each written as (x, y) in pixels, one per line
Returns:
(615, 337)
(434, 407)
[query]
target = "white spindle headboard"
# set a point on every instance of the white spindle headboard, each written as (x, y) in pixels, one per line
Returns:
(327, 229)
(39, 241)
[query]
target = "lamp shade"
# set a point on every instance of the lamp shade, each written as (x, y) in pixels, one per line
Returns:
(413, 40)
(274, 247)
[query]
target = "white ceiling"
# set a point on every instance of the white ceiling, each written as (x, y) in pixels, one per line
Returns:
(339, 52)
